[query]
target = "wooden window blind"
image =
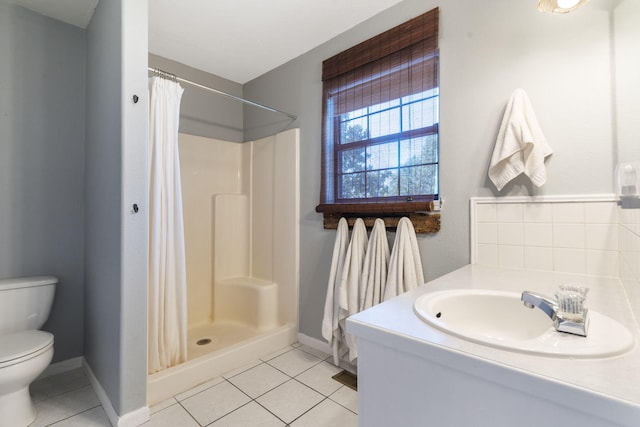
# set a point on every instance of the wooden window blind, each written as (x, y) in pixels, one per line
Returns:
(390, 75)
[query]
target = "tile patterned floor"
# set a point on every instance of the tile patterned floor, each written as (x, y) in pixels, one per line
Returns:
(292, 387)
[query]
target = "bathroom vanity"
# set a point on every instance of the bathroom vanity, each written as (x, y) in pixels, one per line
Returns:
(411, 373)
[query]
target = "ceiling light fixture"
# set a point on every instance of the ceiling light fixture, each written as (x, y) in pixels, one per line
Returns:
(559, 6)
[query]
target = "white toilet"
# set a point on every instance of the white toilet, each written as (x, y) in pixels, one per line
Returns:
(25, 352)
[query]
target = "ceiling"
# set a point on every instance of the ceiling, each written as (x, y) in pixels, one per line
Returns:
(235, 39)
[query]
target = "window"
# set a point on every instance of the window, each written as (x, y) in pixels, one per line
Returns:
(380, 118)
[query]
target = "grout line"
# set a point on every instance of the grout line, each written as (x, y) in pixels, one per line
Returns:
(187, 411)
(72, 415)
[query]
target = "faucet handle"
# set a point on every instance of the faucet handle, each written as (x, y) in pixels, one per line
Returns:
(571, 299)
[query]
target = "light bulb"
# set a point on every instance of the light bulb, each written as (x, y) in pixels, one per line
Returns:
(567, 4)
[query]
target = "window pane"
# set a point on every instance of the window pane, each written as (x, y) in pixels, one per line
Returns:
(353, 130)
(418, 151)
(384, 123)
(352, 160)
(422, 95)
(420, 114)
(352, 186)
(355, 114)
(418, 180)
(382, 156)
(384, 105)
(382, 183)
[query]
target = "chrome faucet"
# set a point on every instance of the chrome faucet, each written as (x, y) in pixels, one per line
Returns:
(572, 323)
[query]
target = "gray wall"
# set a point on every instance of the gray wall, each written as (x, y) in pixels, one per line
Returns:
(115, 238)
(42, 125)
(488, 49)
(204, 113)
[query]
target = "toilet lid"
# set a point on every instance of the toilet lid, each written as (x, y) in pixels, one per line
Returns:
(21, 344)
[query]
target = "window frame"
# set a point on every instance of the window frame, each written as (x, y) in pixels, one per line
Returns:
(403, 135)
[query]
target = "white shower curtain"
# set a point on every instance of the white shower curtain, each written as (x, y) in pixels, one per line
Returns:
(167, 272)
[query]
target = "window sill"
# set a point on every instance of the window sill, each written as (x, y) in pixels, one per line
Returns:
(420, 214)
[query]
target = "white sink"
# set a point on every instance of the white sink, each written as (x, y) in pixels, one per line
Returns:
(500, 319)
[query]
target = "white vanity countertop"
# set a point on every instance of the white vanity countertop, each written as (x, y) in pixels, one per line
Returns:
(614, 377)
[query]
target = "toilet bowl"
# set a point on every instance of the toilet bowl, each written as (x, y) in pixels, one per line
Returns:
(25, 352)
(23, 356)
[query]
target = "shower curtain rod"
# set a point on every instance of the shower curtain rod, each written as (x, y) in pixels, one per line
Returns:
(165, 74)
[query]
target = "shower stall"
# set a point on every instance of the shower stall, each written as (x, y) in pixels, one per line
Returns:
(241, 217)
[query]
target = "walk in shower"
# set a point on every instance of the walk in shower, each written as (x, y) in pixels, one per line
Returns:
(241, 222)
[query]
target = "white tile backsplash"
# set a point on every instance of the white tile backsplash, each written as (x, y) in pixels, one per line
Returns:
(601, 236)
(570, 260)
(487, 232)
(568, 212)
(511, 233)
(538, 258)
(538, 234)
(568, 235)
(601, 212)
(486, 213)
(537, 212)
(510, 212)
(565, 234)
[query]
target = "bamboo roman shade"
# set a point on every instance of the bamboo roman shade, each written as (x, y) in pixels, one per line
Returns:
(400, 62)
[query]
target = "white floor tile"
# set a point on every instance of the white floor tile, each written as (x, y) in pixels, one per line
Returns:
(58, 384)
(250, 415)
(215, 402)
(319, 378)
(290, 400)
(277, 353)
(173, 416)
(242, 369)
(162, 405)
(327, 414)
(294, 362)
(259, 380)
(346, 397)
(95, 417)
(64, 406)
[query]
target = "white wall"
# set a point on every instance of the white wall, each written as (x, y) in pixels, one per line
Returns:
(42, 115)
(487, 49)
(116, 178)
(627, 69)
(201, 112)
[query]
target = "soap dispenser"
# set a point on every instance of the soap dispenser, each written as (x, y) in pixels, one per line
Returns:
(627, 177)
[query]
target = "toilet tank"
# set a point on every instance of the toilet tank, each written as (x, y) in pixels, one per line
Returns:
(25, 302)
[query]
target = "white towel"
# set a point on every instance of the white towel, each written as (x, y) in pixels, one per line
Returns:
(349, 286)
(405, 265)
(520, 146)
(376, 262)
(330, 323)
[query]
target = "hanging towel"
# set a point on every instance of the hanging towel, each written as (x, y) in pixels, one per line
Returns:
(520, 146)
(376, 262)
(330, 325)
(405, 265)
(349, 286)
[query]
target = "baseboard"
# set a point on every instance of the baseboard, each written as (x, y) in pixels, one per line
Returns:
(314, 343)
(130, 419)
(324, 346)
(61, 367)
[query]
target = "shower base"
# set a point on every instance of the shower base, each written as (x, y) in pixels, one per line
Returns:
(232, 346)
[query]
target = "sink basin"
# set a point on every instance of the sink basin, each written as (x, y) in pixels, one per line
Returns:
(500, 319)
